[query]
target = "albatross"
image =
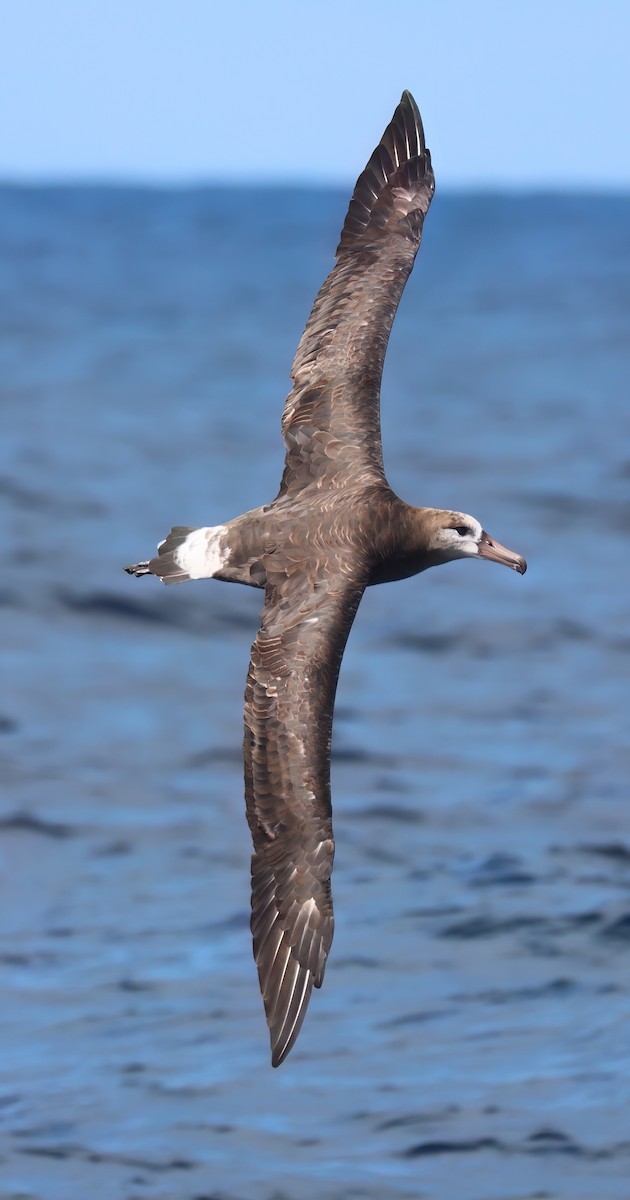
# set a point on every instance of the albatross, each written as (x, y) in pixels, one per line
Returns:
(335, 528)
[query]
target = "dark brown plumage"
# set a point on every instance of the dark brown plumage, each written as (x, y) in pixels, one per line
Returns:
(334, 529)
(331, 421)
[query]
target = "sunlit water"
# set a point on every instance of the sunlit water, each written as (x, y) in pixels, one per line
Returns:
(471, 1041)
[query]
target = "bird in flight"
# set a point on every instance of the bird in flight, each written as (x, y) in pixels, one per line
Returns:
(335, 528)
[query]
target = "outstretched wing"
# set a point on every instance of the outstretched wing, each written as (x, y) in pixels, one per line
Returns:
(289, 702)
(331, 421)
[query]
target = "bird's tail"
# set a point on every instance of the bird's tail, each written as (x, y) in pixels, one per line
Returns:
(166, 565)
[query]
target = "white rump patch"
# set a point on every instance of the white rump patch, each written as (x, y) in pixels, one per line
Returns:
(201, 555)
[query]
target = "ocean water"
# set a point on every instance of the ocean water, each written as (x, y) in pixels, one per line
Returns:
(471, 1040)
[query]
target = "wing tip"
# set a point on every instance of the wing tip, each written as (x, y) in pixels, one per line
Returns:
(402, 143)
(286, 981)
(285, 1025)
(279, 1053)
(408, 104)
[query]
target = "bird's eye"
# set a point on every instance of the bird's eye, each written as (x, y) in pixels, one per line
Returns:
(462, 530)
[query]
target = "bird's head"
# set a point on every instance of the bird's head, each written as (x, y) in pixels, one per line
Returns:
(458, 535)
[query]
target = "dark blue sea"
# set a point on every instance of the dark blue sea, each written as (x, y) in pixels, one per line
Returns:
(472, 1039)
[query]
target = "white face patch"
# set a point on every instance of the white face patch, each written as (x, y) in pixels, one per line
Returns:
(460, 545)
(201, 555)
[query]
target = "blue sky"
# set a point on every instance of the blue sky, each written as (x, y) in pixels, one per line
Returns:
(512, 94)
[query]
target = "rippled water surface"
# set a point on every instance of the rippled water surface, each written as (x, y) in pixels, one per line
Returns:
(472, 1040)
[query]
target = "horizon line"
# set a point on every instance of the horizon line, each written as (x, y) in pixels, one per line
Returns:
(141, 182)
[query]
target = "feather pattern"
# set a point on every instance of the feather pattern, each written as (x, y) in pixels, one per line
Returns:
(331, 420)
(289, 702)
